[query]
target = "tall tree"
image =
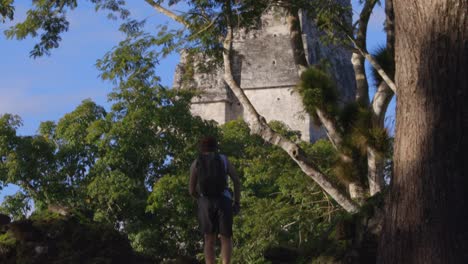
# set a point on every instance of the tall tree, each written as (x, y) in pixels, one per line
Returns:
(427, 206)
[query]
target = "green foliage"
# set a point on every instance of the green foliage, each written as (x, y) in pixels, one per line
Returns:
(104, 164)
(8, 125)
(7, 10)
(46, 17)
(318, 91)
(122, 168)
(322, 153)
(7, 240)
(45, 216)
(284, 130)
(353, 121)
(17, 206)
(72, 128)
(356, 121)
(333, 19)
(175, 225)
(280, 206)
(379, 139)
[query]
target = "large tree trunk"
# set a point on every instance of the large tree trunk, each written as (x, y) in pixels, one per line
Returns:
(427, 207)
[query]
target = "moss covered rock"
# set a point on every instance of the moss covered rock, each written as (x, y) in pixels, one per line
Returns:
(50, 238)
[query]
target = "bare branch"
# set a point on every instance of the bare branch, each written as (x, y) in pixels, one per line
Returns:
(377, 66)
(212, 22)
(362, 91)
(375, 166)
(380, 103)
(380, 70)
(168, 13)
(361, 34)
(329, 125)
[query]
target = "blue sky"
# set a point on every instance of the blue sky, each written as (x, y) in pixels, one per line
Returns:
(46, 88)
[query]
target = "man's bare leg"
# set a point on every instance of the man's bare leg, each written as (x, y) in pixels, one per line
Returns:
(226, 249)
(209, 250)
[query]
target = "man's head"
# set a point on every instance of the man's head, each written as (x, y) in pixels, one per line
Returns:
(208, 144)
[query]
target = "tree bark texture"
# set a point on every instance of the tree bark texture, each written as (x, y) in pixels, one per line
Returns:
(390, 26)
(357, 59)
(427, 207)
(375, 171)
(380, 102)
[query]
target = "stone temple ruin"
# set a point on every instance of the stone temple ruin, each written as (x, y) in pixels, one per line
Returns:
(265, 69)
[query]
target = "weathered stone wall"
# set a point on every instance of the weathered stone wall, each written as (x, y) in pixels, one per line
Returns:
(264, 66)
(338, 58)
(218, 111)
(268, 73)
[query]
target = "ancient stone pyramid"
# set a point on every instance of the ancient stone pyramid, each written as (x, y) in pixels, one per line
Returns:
(264, 67)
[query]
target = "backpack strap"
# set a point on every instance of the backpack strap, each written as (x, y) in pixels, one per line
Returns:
(227, 191)
(223, 158)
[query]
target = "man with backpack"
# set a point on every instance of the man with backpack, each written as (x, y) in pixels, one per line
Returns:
(208, 184)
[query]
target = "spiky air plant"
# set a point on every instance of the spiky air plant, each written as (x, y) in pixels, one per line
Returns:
(354, 122)
(386, 61)
(318, 90)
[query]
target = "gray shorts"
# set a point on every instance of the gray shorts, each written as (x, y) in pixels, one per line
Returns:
(215, 215)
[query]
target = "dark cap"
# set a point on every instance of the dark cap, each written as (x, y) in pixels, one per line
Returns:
(208, 144)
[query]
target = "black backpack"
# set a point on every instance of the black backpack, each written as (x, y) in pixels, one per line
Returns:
(211, 172)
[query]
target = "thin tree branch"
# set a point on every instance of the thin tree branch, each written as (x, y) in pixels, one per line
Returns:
(379, 69)
(357, 59)
(329, 125)
(384, 94)
(361, 51)
(168, 13)
(361, 34)
(375, 166)
(32, 190)
(380, 102)
(205, 28)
